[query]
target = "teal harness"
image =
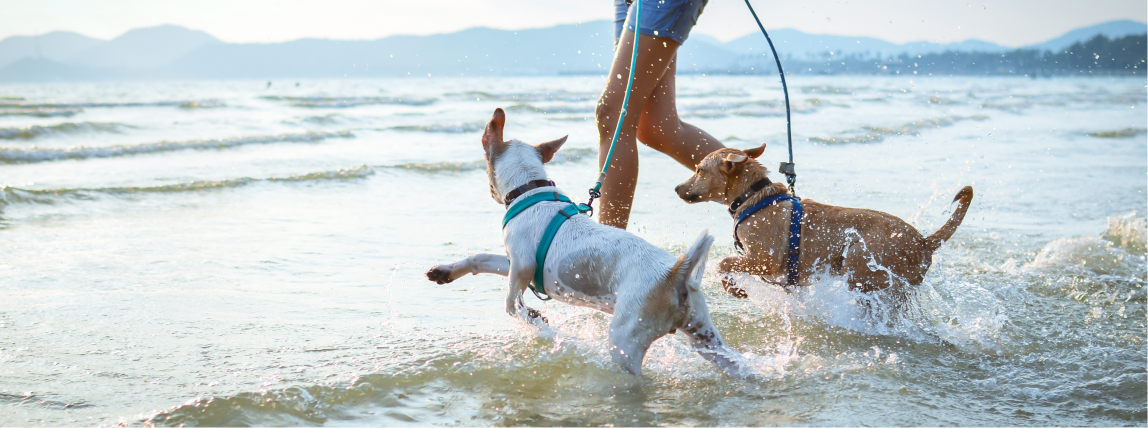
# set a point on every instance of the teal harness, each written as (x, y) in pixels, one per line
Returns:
(547, 236)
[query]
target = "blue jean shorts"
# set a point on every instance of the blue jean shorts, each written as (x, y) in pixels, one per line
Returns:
(672, 19)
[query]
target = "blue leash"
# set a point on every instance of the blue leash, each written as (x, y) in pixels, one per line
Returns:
(786, 167)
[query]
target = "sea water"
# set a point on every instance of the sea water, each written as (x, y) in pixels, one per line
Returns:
(252, 252)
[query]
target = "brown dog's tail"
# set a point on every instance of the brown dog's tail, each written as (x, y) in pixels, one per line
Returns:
(963, 199)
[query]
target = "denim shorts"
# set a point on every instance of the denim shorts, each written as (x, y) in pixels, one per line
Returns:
(671, 19)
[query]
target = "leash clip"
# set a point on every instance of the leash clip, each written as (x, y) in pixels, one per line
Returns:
(588, 207)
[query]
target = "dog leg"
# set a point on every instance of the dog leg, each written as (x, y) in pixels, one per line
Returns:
(705, 339)
(735, 264)
(630, 339)
(519, 282)
(475, 264)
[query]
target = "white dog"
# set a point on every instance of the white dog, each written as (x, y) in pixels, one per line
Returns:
(649, 293)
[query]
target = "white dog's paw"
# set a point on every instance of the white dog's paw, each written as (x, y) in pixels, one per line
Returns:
(439, 274)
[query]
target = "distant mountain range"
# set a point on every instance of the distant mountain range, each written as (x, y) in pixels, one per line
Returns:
(173, 52)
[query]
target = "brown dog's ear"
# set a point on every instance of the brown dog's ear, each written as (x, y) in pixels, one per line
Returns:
(493, 133)
(549, 148)
(730, 161)
(755, 152)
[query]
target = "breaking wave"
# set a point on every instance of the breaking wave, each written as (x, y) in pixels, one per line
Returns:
(559, 95)
(38, 154)
(456, 128)
(557, 109)
(345, 102)
(565, 155)
(873, 134)
(12, 195)
(1119, 133)
(174, 103)
(36, 131)
(42, 112)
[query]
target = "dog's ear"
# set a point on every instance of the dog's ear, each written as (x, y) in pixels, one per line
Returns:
(755, 152)
(730, 160)
(493, 133)
(549, 148)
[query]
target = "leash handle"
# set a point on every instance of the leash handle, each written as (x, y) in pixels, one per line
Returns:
(786, 167)
(596, 191)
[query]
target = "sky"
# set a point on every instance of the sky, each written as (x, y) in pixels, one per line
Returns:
(1007, 22)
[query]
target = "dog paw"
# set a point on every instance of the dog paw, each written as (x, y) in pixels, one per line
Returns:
(533, 313)
(439, 275)
(733, 290)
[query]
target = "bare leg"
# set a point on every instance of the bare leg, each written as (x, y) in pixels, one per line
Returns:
(661, 129)
(666, 132)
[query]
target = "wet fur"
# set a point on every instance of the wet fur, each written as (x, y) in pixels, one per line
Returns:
(649, 292)
(873, 249)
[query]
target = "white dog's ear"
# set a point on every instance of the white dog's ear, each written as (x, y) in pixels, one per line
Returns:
(549, 148)
(730, 160)
(493, 133)
(755, 152)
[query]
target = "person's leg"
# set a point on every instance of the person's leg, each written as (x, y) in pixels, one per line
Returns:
(660, 127)
(654, 58)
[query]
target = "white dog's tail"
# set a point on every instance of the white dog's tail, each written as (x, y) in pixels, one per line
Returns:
(686, 275)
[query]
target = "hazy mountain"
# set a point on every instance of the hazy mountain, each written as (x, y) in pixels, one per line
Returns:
(143, 48)
(171, 52)
(1111, 29)
(56, 45)
(794, 44)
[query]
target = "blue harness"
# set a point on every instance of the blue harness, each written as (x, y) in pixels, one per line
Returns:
(794, 230)
(547, 236)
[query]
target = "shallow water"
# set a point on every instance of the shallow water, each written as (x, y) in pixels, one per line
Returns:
(222, 253)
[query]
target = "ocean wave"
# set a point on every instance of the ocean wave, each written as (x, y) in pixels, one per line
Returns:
(873, 134)
(826, 89)
(11, 195)
(38, 154)
(758, 108)
(559, 95)
(42, 112)
(1119, 133)
(35, 131)
(563, 156)
(557, 109)
(345, 102)
(170, 103)
(454, 128)
(329, 119)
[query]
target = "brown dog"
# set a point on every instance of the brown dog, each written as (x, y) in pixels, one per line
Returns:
(872, 249)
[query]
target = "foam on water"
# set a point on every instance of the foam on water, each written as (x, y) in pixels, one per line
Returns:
(875, 134)
(43, 154)
(37, 131)
(346, 102)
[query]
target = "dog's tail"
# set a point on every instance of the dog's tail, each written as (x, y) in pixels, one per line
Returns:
(691, 265)
(963, 199)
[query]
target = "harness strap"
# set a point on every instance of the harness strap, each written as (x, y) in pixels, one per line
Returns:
(794, 252)
(514, 194)
(520, 206)
(568, 211)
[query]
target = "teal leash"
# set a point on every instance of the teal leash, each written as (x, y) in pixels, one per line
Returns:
(596, 191)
